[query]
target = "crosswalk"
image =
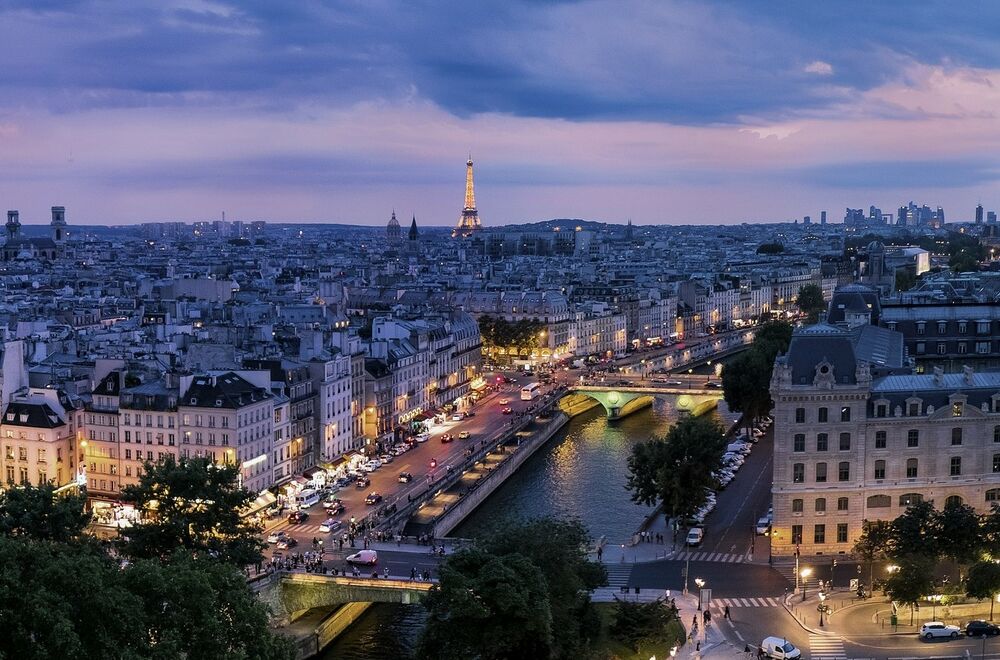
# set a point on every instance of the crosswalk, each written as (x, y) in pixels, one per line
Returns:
(725, 557)
(746, 602)
(826, 647)
(618, 574)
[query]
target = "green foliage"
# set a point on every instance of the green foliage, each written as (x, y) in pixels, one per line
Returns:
(810, 301)
(958, 533)
(983, 580)
(38, 512)
(677, 470)
(746, 381)
(916, 533)
(875, 540)
(912, 580)
(191, 505)
(770, 248)
(637, 624)
(964, 261)
(905, 279)
(521, 591)
(773, 338)
(500, 333)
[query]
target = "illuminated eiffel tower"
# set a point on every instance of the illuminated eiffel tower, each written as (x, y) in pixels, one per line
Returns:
(469, 220)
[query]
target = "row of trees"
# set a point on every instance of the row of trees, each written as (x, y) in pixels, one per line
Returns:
(746, 380)
(917, 540)
(501, 333)
(171, 588)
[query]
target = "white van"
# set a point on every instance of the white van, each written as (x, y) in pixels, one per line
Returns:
(777, 647)
(307, 498)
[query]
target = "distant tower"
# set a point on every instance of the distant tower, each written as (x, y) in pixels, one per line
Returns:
(58, 225)
(413, 244)
(13, 226)
(392, 232)
(822, 217)
(628, 230)
(979, 214)
(469, 220)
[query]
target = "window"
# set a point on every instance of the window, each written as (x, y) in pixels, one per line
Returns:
(911, 468)
(983, 327)
(819, 534)
(798, 473)
(963, 327)
(963, 347)
(845, 442)
(880, 439)
(841, 532)
(921, 327)
(942, 327)
(845, 414)
(844, 471)
(996, 434)
(800, 415)
(956, 409)
(955, 469)
(982, 347)
(909, 499)
(822, 442)
(799, 442)
(820, 472)
(820, 505)
(913, 438)
(996, 462)
(956, 436)
(942, 348)
(953, 500)
(843, 503)
(880, 410)
(913, 409)
(992, 495)
(796, 506)
(880, 469)
(796, 534)
(879, 501)
(821, 415)
(921, 347)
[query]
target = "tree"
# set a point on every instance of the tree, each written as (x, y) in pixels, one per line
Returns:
(983, 581)
(638, 623)
(810, 301)
(772, 339)
(958, 533)
(912, 579)
(990, 532)
(194, 505)
(874, 542)
(905, 279)
(677, 471)
(521, 591)
(916, 532)
(38, 512)
(746, 382)
(770, 248)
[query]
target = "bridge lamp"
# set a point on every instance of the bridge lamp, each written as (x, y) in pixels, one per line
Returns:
(614, 397)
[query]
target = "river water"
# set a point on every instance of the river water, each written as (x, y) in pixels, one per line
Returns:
(580, 473)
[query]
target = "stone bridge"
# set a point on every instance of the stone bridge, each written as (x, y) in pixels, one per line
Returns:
(622, 400)
(289, 595)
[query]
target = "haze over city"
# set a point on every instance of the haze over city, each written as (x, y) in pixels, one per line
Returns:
(662, 112)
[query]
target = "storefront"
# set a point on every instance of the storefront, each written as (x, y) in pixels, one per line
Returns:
(113, 514)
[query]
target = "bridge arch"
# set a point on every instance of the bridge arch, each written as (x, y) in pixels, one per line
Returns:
(621, 401)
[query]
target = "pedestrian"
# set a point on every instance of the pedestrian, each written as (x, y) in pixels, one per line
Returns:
(725, 613)
(413, 573)
(600, 554)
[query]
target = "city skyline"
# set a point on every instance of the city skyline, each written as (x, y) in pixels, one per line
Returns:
(339, 114)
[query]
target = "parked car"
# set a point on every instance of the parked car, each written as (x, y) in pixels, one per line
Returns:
(405, 477)
(779, 647)
(330, 525)
(764, 525)
(373, 498)
(934, 629)
(978, 628)
(458, 417)
(297, 517)
(367, 557)
(274, 537)
(423, 437)
(695, 536)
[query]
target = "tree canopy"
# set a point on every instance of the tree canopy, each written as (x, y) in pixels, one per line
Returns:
(746, 380)
(521, 591)
(810, 301)
(501, 333)
(193, 505)
(39, 512)
(770, 248)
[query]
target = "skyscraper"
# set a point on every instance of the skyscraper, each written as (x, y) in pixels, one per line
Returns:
(979, 214)
(469, 220)
(822, 217)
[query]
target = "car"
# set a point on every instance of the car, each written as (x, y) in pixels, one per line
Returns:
(330, 525)
(507, 410)
(458, 417)
(764, 525)
(715, 385)
(423, 437)
(335, 508)
(779, 647)
(503, 402)
(362, 483)
(447, 437)
(978, 628)
(287, 543)
(405, 477)
(695, 536)
(387, 458)
(373, 498)
(935, 629)
(297, 517)
(464, 435)
(274, 537)
(675, 383)
(433, 463)
(368, 557)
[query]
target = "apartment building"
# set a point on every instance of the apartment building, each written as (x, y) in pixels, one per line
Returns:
(39, 443)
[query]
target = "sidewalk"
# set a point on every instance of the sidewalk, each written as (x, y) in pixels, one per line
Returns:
(708, 643)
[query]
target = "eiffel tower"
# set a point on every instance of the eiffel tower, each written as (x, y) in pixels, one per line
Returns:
(469, 220)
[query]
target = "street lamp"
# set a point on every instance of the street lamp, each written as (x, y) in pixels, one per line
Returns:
(822, 607)
(699, 583)
(806, 572)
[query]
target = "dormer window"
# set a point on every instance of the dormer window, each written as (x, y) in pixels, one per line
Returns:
(111, 386)
(10, 417)
(194, 401)
(921, 328)
(218, 403)
(956, 409)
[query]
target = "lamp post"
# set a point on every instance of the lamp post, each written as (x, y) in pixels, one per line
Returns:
(699, 583)
(822, 607)
(806, 572)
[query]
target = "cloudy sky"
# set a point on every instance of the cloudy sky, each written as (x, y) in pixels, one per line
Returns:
(660, 111)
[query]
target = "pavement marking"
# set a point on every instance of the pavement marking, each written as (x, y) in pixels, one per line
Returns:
(824, 647)
(746, 602)
(722, 557)
(618, 574)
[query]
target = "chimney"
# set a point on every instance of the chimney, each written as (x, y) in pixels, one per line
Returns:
(938, 375)
(968, 373)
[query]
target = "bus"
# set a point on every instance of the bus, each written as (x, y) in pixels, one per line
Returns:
(530, 391)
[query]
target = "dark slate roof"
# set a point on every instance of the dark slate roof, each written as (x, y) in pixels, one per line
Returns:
(843, 348)
(34, 415)
(110, 385)
(979, 388)
(854, 298)
(228, 390)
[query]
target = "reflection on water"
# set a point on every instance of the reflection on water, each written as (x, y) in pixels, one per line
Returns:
(581, 473)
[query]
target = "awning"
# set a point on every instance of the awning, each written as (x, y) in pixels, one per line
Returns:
(478, 384)
(313, 471)
(263, 501)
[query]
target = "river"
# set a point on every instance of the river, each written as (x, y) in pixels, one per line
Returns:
(580, 473)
